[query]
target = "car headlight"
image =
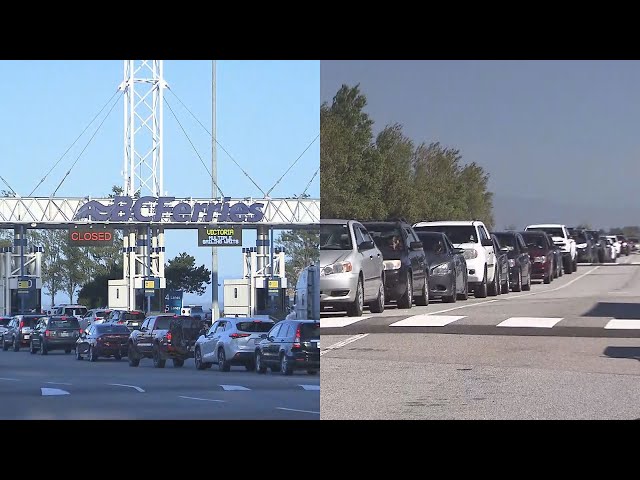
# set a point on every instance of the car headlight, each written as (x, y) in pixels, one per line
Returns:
(442, 269)
(512, 262)
(340, 267)
(470, 254)
(539, 259)
(391, 264)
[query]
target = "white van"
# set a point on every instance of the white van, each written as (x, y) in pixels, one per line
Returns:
(78, 311)
(306, 303)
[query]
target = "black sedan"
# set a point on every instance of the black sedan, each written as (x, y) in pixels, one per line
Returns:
(518, 258)
(502, 261)
(447, 267)
(103, 340)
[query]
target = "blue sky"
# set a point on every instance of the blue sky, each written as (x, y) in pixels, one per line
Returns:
(267, 114)
(548, 130)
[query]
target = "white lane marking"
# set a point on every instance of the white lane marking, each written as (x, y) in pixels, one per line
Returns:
(534, 322)
(59, 383)
(339, 322)
(554, 289)
(10, 379)
(461, 306)
(621, 324)
(201, 399)
(53, 391)
(130, 386)
(296, 410)
(231, 388)
(343, 343)
(310, 387)
(427, 321)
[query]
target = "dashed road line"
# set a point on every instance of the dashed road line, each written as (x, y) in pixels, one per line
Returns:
(530, 322)
(296, 410)
(10, 379)
(129, 386)
(234, 388)
(47, 392)
(427, 321)
(201, 399)
(341, 344)
(622, 324)
(339, 322)
(59, 383)
(311, 387)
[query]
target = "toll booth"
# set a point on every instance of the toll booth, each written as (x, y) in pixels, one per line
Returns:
(20, 293)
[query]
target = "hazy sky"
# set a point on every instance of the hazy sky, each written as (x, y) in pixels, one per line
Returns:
(562, 130)
(267, 114)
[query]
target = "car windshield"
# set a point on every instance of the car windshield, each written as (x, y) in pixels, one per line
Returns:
(507, 241)
(432, 242)
(581, 238)
(101, 313)
(79, 311)
(456, 233)
(66, 323)
(309, 331)
(553, 231)
(260, 327)
(386, 237)
(111, 328)
(335, 237)
(534, 240)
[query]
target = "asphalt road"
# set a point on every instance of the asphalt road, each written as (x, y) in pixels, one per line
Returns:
(58, 386)
(568, 350)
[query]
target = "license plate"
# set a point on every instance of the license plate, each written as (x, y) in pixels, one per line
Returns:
(26, 337)
(65, 334)
(135, 324)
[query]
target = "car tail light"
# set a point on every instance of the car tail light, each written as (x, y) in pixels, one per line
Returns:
(21, 324)
(80, 330)
(48, 333)
(169, 337)
(296, 341)
(240, 335)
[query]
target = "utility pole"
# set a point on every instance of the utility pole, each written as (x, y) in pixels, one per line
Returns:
(215, 312)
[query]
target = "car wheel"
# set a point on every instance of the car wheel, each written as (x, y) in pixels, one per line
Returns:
(32, 349)
(492, 289)
(178, 362)
(197, 358)
(16, 345)
(78, 355)
(423, 299)
(251, 366)
(568, 266)
(260, 366)
(355, 309)
(43, 349)
(378, 305)
(67, 351)
(118, 357)
(5, 346)
(406, 301)
(285, 365)
(547, 279)
(134, 360)
(575, 265)
(506, 284)
(92, 354)
(158, 362)
(223, 365)
(518, 286)
(453, 297)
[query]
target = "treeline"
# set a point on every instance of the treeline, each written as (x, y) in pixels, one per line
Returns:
(389, 176)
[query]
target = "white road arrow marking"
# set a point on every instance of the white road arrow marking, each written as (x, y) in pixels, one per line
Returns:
(296, 410)
(230, 388)
(129, 386)
(53, 391)
(202, 399)
(310, 387)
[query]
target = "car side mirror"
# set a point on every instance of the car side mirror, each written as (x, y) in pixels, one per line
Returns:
(263, 336)
(487, 243)
(366, 246)
(415, 245)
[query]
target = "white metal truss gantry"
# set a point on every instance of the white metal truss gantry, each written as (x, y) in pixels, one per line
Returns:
(143, 86)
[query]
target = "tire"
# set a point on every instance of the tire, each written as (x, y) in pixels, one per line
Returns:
(492, 289)
(453, 297)
(67, 351)
(480, 291)
(547, 279)
(312, 372)
(518, 286)
(506, 286)
(251, 366)
(157, 361)
(465, 294)
(78, 355)
(423, 299)
(355, 309)
(285, 365)
(16, 345)
(223, 364)
(197, 358)
(527, 287)
(118, 357)
(92, 355)
(43, 349)
(568, 266)
(575, 266)
(134, 360)
(31, 349)
(406, 301)
(178, 363)
(260, 366)
(378, 305)
(5, 346)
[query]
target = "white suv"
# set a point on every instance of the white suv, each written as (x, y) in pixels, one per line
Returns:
(564, 240)
(474, 238)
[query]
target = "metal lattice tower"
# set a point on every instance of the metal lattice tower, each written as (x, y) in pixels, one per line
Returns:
(144, 250)
(143, 87)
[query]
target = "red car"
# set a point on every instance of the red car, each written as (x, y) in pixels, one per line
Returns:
(541, 254)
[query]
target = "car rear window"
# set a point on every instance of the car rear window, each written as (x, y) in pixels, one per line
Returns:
(101, 314)
(260, 327)
(30, 321)
(67, 323)
(132, 316)
(309, 331)
(534, 240)
(108, 328)
(162, 323)
(75, 311)
(457, 233)
(4, 321)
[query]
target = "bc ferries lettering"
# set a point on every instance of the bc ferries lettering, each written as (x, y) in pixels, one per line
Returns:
(125, 209)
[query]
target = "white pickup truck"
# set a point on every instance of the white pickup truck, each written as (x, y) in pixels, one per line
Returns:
(563, 239)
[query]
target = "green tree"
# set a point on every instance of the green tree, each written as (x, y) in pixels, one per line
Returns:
(302, 248)
(182, 274)
(52, 243)
(76, 268)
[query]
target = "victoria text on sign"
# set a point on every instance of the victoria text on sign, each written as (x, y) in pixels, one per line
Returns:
(214, 236)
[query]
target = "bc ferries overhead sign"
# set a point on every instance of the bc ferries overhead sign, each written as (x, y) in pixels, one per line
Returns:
(168, 209)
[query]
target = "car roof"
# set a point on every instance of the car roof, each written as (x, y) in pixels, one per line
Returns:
(465, 223)
(545, 225)
(335, 221)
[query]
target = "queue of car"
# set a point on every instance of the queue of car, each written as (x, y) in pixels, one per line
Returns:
(255, 343)
(383, 263)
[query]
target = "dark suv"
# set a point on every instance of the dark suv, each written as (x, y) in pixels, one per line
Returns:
(405, 263)
(290, 345)
(519, 261)
(18, 333)
(57, 332)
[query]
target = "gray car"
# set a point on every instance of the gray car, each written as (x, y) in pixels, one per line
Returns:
(351, 268)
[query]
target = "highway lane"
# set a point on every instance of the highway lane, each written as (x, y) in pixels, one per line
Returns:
(58, 386)
(563, 364)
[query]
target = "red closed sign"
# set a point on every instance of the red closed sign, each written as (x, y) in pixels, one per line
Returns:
(90, 237)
